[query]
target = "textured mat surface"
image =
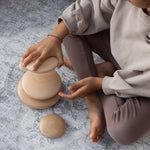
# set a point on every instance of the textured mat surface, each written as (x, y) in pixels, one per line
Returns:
(22, 24)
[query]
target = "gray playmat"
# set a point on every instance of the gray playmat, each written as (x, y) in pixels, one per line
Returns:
(22, 24)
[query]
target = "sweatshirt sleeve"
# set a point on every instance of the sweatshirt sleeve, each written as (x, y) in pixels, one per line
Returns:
(85, 17)
(127, 83)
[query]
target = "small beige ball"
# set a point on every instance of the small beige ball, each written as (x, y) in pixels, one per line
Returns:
(52, 126)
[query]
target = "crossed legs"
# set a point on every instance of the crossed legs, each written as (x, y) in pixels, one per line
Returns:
(126, 119)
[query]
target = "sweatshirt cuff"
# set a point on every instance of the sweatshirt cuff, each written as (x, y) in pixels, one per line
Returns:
(68, 21)
(105, 85)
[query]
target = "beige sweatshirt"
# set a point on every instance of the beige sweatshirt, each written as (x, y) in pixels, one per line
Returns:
(129, 27)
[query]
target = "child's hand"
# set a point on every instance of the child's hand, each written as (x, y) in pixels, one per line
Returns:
(48, 47)
(83, 87)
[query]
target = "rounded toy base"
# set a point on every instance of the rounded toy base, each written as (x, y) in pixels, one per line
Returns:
(34, 103)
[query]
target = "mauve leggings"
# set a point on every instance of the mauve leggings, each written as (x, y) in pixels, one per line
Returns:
(127, 119)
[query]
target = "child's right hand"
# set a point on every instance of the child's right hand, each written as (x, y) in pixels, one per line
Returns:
(48, 47)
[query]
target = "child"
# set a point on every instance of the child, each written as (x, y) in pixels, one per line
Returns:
(117, 90)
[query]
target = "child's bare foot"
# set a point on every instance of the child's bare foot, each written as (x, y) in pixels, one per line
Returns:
(96, 114)
(103, 69)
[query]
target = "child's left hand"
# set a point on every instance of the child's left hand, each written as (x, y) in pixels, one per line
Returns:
(83, 87)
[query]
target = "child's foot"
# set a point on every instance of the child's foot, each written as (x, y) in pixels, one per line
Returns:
(103, 69)
(96, 114)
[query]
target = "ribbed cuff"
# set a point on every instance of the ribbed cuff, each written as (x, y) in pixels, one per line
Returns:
(106, 85)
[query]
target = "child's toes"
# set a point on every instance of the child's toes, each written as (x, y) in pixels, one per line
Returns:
(93, 135)
(99, 138)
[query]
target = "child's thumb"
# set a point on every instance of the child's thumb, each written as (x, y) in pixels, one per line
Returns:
(60, 61)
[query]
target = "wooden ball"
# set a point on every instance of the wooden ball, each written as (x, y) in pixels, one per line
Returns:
(52, 126)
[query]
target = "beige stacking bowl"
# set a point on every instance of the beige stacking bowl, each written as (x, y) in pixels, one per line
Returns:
(40, 89)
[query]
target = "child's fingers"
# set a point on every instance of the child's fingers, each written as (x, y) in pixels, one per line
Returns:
(30, 58)
(38, 62)
(72, 88)
(74, 95)
(75, 86)
(67, 96)
(78, 93)
(26, 54)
